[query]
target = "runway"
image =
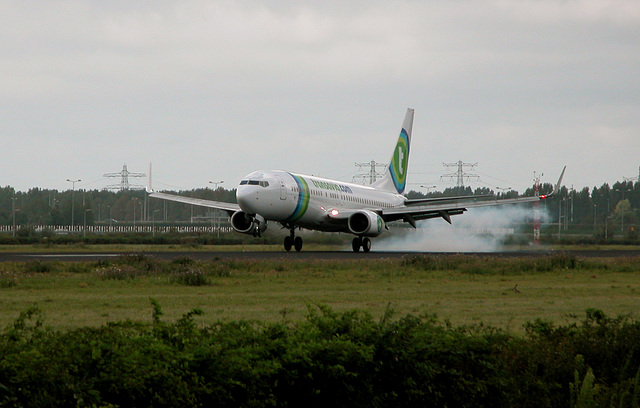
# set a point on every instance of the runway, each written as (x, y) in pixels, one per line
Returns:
(293, 256)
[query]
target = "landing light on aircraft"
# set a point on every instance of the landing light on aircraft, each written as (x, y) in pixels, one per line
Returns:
(334, 212)
(542, 197)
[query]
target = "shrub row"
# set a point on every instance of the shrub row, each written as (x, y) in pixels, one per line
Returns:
(475, 264)
(188, 271)
(331, 359)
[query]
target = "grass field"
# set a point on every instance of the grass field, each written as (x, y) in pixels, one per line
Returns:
(461, 289)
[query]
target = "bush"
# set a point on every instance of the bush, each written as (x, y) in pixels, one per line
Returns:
(473, 264)
(183, 261)
(343, 359)
(40, 267)
(8, 279)
(190, 277)
(118, 272)
(139, 261)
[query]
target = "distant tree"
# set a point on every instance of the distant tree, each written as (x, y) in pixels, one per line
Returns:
(624, 214)
(457, 191)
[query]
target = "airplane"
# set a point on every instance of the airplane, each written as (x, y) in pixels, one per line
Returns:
(298, 201)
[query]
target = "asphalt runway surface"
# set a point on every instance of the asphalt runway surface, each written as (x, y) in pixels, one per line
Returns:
(303, 255)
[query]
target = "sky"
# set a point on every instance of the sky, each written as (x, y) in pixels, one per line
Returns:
(213, 90)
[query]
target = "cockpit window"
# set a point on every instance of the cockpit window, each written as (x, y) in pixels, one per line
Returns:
(254, 183)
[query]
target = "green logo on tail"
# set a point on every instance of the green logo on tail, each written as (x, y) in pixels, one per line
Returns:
(399, 162)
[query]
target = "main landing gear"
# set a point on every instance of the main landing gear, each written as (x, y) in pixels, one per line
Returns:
(292, 241)
(359, 242)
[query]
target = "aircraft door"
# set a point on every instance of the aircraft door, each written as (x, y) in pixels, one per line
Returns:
(283, 189)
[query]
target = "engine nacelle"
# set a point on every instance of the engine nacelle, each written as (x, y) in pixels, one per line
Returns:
(242, 222)
(248, 224)
(366, 224)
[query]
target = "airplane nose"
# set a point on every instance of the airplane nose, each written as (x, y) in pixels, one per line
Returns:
(246, 199)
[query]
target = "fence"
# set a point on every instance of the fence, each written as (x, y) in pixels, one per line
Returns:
(102, 229)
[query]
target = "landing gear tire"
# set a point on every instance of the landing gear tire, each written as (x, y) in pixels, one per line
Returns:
(292, 241)
(356, 244)
(366, 244)
(288, 243)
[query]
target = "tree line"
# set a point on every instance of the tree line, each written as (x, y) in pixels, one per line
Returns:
(52, 207)
(612, 209)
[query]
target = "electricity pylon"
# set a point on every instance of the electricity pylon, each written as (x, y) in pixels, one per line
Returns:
(460, 175)
(124, 180)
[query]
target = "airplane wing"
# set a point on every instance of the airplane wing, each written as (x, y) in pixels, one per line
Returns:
(430, 200)
(230, 208)
(424, 209)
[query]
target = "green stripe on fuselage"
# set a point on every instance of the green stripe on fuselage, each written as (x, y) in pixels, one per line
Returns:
(303, 199)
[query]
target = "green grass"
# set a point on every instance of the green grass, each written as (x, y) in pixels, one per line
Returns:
(461, 289)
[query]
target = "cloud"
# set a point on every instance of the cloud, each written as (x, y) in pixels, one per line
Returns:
(192, 83)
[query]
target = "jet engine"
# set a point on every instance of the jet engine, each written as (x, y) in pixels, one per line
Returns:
(366, 223)
(248, 224)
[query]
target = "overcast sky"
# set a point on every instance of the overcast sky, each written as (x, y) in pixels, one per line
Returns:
(212, 90)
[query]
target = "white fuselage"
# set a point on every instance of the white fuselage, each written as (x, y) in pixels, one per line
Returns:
(308, 201)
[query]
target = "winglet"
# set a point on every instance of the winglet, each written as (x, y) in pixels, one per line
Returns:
(556, 188)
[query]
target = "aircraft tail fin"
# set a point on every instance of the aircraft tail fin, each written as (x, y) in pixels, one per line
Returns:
(395, 178)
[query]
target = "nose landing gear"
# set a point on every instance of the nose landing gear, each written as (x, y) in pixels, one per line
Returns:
(359, 242)
(259, 226)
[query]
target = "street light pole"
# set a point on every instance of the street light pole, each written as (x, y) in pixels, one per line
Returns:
(560, 215)
(215, 183)
(504, 189)
(622, 209)
(73, 200)
(153, 233)
(427, 188)
(84, 228)
(215, 216)
(135, 204)
(13, 213)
